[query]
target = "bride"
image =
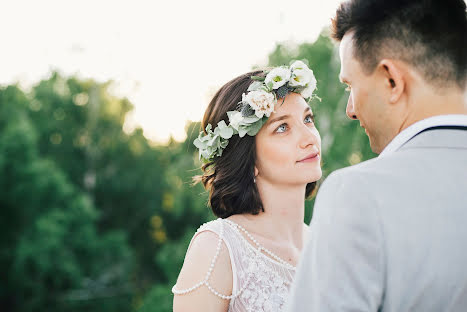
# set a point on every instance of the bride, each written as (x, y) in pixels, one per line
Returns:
(262, 159)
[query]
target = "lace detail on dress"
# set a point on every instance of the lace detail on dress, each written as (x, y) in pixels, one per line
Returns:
(260, 283)
(205, 281)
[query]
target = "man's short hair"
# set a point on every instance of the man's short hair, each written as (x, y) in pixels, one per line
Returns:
(430, 35)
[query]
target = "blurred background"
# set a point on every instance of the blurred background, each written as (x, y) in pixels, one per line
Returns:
(100, 102)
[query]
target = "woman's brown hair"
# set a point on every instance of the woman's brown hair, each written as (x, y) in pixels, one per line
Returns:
(230, 178)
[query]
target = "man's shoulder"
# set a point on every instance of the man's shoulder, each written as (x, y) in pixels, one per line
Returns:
(369, 176)
(349, 193)
(365, 169)
(377, 167)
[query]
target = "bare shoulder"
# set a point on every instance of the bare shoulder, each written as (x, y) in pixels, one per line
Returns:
(196, 268)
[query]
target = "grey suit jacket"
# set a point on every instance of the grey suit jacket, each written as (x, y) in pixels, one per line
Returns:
(390, 234)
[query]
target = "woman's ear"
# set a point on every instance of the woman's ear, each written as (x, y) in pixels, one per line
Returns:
(256, 172)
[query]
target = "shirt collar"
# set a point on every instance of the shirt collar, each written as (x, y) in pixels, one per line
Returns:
(405, 135)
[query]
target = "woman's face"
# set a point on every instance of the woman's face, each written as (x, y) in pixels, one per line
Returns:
(288, 146)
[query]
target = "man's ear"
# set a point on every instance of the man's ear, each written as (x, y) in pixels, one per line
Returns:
(394, 75)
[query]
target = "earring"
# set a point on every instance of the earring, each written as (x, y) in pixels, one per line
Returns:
(254, 179)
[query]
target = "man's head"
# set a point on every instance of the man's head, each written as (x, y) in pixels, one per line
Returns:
(397, 54)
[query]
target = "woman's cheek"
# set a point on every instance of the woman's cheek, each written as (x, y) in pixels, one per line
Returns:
(280, 153)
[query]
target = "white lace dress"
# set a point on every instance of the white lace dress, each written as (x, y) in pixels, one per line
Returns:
(260, 283)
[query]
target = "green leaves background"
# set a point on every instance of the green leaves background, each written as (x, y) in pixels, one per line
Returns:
(97, 219)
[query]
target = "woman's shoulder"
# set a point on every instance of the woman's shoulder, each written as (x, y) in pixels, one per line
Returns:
(214, 226)
(206, 276)
(206, 256)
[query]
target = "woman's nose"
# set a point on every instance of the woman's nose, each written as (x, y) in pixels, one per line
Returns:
(308, 137)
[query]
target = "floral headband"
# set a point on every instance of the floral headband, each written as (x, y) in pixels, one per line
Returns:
(256, 107)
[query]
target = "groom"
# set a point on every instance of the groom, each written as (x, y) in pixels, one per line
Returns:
(390, 234)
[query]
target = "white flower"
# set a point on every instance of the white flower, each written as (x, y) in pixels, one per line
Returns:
(301, 75)
(308, 91)
(278, 76)
(262, 102)
(299, 65)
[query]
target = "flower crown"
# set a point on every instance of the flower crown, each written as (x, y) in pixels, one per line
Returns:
(256, 107)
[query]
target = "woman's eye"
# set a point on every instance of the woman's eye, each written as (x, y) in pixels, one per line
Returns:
(309, 119)
(282, 128)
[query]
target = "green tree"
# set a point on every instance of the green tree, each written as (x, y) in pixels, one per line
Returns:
(80, 127)
(52, 253)
(139, 189)
(97, 218)
(343, 144)
(185, 209)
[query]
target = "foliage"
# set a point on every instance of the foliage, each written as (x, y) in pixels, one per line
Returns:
(96, 218)
(52, 252)
(344, 144)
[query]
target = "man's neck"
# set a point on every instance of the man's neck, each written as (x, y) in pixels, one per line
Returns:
(429, 104)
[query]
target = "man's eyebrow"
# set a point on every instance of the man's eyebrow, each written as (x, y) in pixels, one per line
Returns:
(270, 121)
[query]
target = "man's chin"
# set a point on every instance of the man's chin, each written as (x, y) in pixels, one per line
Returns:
(374, 144)
(376, 150)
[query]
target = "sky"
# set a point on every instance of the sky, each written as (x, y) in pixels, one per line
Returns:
(167, 57)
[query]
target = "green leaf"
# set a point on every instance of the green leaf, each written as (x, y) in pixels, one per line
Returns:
(250, 119)
(226, 132)
(242, 131)
(198, 143)
(255, 127)
(257, 78)
(256, 85)
(269, 85)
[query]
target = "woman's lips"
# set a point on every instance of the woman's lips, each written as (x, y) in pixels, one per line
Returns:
(310, 158)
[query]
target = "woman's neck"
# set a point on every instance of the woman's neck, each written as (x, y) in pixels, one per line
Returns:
(282, 219)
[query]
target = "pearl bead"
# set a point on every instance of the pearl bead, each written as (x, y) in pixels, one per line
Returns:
(259, 250)
(260, 247)
(211, 267)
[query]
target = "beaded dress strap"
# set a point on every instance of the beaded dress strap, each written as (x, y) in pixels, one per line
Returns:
(205, 281)
(259, 248)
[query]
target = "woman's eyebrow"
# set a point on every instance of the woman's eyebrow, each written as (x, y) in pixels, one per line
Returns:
(270, 121)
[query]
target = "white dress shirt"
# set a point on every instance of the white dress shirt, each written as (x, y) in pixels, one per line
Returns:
(408, 133)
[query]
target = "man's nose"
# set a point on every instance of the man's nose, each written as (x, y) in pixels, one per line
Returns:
(350, 108)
